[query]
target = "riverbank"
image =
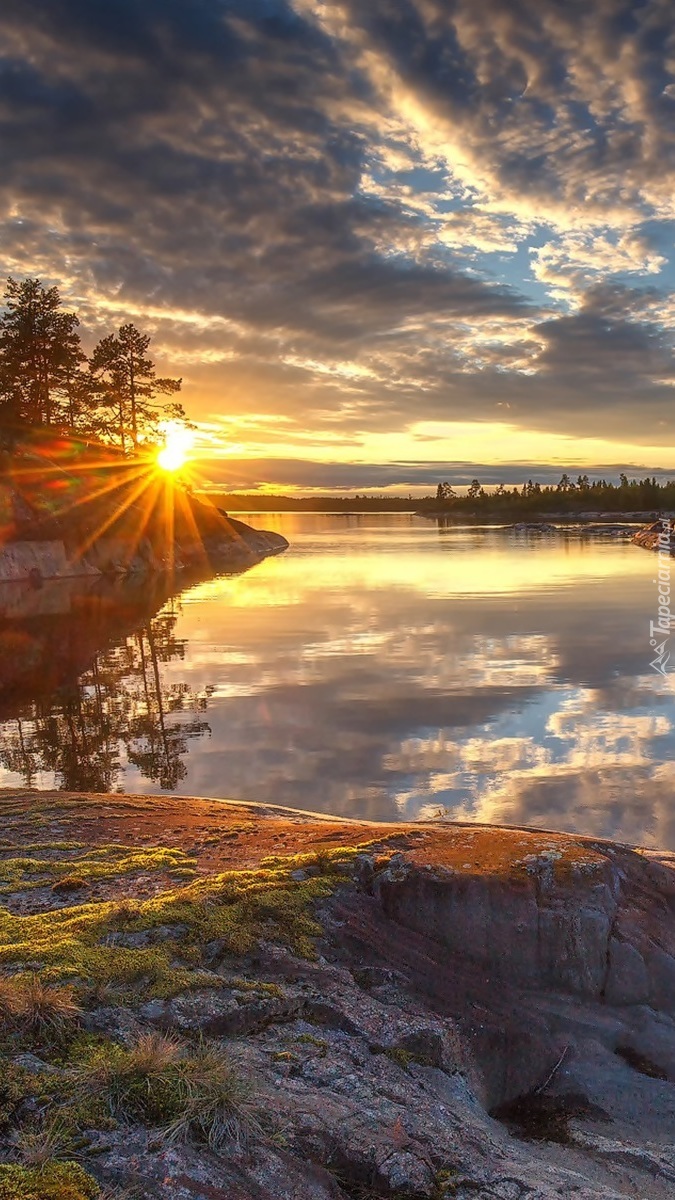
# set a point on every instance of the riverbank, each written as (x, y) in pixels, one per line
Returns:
(206, 999)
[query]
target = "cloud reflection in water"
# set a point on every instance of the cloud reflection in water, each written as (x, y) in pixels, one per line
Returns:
(388, 669)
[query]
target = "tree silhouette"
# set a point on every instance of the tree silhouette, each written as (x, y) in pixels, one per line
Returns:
(40, 360)
(128, 388)
(154, 742)
(445, 492)
(46, 381)
(17, 752)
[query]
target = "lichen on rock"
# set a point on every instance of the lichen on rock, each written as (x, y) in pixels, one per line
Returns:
(326, 1010)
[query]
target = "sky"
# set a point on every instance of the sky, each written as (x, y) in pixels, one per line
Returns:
(383, 243)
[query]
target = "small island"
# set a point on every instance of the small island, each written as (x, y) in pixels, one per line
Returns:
(94, 476)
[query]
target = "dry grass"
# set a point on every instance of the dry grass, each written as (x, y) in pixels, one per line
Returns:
(124, 912)
(36, 1007)
(70, 883)
(134, 1079)
(47, 1009)
(44, 1142)
(218, 1106)
(11, 999)
(191, 1093)
(152, 1054)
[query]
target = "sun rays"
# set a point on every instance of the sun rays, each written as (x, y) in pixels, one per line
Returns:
(178, 441)
(111, 509)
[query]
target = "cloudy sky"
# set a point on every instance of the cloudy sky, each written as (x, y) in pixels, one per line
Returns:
(383, 243)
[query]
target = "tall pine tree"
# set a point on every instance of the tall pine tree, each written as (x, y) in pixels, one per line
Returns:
(129, 390)
(40, 360)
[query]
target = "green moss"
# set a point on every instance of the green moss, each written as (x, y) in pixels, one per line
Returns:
(403, 1058)
(237, 908)
(102, 862)
(54, 1181)
(258, 986)
(308, 1039)
(56, 1091)
(14, 1089)
(228, 832)
(445, 1185)
(39, 847)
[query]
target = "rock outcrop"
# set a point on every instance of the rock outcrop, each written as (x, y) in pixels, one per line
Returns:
(98, 514)
(659, 536)
(419, 1011)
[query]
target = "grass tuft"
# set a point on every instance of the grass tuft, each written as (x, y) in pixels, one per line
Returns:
(11, 999)
(43, 1142)
(189, 1092)
(218, 1109)
(47, 1010)
(37, 1009)
(69, 883)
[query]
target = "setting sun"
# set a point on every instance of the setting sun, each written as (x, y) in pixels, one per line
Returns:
(177, 444)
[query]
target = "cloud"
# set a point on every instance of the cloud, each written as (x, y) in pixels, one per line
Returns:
(233, 473)
(550, 110)
(347, 214)
(577, 259)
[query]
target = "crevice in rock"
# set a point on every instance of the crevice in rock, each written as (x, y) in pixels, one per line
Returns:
(639, 1062)
(541, 1117)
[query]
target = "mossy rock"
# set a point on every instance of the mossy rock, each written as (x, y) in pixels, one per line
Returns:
(237, 908)
(54, 1181)
(97, 864)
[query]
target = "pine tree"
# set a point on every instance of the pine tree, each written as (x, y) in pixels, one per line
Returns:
(128, 389)
(445, 492)
(40, 357)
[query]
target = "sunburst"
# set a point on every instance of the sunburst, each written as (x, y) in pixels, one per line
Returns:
(174, 454)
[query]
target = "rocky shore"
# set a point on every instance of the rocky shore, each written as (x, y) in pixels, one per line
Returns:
(99, 516)
(206, 1000)
(660, 535)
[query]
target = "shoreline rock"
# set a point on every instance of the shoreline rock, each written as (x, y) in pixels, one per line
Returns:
(59, 550)
(652, 537)
(94, 513)
(423, 1011)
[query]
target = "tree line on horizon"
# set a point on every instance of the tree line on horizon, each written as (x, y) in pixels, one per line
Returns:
(568, 495)
(49, 385)
(513, 501)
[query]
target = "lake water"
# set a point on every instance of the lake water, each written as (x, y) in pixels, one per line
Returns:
(384, 667)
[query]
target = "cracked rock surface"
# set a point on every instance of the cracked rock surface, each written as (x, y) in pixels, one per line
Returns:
(482, 1013)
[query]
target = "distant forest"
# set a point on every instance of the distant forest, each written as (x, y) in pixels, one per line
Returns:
(569, 497)
(49, 386)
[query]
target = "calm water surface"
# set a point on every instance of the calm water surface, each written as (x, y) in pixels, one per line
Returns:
(385, 668)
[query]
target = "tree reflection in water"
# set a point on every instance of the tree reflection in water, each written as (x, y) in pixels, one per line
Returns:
(119, 707)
